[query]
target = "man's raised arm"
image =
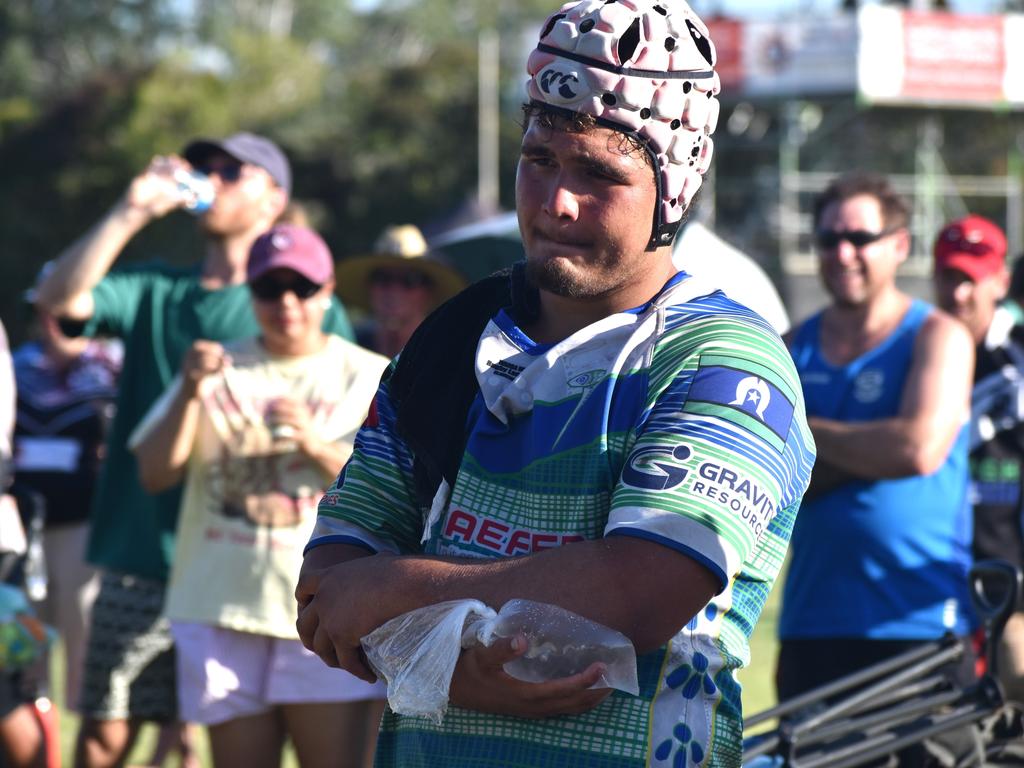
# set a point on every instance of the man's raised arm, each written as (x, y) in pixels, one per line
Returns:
(66, 291)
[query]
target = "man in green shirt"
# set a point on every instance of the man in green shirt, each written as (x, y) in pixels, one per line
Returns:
(129, 676)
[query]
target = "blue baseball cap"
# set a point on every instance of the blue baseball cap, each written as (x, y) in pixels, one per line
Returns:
(245, 148)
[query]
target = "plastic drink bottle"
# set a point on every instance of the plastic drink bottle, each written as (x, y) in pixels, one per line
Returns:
(196, 189)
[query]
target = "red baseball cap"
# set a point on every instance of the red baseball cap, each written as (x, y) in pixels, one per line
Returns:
(288, 246)
(974, 245)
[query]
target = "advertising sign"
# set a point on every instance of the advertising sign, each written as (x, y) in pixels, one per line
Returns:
(908, 57)
(884, 53)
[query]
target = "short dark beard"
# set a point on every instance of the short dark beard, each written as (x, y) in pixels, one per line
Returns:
(590, 283)
(547, 277)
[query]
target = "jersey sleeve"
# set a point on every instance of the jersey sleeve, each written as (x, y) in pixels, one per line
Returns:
(720, 449)
(371, 503)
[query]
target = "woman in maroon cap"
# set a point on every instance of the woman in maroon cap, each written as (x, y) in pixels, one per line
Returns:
(257, 429)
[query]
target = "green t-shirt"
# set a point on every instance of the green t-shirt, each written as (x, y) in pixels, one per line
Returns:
(158, 312)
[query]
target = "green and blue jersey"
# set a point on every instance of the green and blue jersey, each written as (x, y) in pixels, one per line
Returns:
(680, 422)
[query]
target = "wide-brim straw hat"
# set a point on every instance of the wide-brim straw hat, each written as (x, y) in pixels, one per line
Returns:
(400, 246)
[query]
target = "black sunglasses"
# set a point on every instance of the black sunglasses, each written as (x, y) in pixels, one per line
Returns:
(272, 289)
(858, 238)
(229, 173)
(403, 278)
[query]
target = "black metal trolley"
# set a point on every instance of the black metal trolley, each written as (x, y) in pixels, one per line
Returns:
(905, 701)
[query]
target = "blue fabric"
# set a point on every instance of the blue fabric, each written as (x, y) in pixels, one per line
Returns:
(884, 559)
(737, 389)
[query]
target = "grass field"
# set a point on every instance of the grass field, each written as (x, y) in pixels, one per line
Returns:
(758, 694)
(758, 680)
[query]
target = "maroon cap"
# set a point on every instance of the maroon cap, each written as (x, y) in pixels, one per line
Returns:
(973, 245)
(287, 246)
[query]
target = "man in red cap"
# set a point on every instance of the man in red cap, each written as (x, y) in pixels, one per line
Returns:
(971, 279)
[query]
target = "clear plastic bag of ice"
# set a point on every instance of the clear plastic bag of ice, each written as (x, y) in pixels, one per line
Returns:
(416, 652)
(561, 643)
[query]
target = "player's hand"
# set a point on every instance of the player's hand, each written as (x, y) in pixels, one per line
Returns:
(204, 358)
(154, 192)
(481, 683)
(337, 606)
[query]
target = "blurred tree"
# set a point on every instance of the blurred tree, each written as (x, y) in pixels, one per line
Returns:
(377, 109)
(50, 47)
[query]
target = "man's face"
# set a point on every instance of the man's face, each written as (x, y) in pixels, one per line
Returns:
(972, 301)
(585, 203)
(399, 296)
(246, 196)
(855, 274)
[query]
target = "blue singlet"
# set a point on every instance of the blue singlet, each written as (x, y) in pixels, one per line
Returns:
(884, 559)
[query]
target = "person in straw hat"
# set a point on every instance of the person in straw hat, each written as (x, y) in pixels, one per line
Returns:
(397, 286)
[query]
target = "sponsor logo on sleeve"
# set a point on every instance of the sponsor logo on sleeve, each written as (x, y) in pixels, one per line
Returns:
(733, 490)
(661, 468)
(656, 467)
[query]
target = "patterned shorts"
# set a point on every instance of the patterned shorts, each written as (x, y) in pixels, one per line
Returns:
(129, 662)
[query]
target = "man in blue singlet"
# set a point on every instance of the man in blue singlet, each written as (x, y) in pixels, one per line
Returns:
(882, 544)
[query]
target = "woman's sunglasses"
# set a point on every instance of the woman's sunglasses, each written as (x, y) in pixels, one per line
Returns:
(273, 288)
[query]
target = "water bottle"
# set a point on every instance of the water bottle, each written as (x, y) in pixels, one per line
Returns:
(35, 562)
(196, 189)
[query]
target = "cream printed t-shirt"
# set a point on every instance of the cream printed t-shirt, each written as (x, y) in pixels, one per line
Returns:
(250, 502)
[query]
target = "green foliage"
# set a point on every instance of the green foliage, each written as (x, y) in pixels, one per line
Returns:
(377, 109)
(266, 80)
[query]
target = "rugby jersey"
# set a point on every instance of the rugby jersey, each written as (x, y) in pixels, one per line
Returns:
(680, 422)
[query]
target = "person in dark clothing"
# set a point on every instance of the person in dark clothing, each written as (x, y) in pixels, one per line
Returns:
(971, 280)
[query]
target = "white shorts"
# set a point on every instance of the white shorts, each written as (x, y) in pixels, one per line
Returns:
(224, 675)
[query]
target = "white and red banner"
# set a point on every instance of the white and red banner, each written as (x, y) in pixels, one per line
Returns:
(884, 54)
(813, 55)
(939, 58)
